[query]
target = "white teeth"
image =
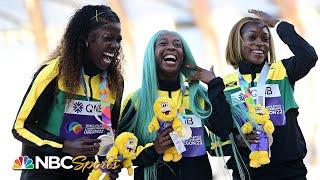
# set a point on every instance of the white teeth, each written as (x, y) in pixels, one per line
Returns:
(170, 62)
(108, 54)
(106, 60)
(170, 56)
(257, 51)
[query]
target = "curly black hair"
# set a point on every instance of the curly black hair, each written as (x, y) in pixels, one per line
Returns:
(73, 44)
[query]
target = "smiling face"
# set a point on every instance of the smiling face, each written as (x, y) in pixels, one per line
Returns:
(255, 44)
(103, 45)
(127, 144)
(165, 108)
(169, 56)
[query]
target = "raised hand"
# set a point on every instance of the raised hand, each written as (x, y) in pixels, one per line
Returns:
(200, 74)
(252, 138)
(265, 17)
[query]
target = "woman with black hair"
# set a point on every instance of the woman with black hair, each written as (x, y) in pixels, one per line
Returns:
(76, 96)
(168, 62)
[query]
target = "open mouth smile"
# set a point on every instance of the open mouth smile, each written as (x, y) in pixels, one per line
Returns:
(257, 52)
(166, 112)
(170, 59)
(129, 149)
(107, 57)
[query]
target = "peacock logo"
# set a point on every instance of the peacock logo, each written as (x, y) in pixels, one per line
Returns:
(75, 127)
(23, 162)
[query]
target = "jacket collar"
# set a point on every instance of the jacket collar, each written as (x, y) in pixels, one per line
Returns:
(246, 67)
(166, 85)
(90, 69)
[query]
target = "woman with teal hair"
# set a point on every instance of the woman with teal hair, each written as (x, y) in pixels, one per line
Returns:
(167, 62)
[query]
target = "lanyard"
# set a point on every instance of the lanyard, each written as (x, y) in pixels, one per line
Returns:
(183, 93)
(83, 83)
(260, 85)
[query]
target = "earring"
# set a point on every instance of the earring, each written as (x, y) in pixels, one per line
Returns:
(87, 44)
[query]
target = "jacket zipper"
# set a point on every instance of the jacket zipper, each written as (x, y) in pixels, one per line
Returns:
(90, 88)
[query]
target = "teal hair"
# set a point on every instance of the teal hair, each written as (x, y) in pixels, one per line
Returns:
(143, 98)
(240, 115)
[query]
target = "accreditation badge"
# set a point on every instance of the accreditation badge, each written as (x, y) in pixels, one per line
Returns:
(273, 102)
(193, 135)
(79, 120)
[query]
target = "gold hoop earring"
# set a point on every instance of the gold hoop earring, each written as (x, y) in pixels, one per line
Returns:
(87, 44)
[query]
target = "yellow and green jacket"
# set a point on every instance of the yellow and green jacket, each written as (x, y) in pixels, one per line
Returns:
(288, 142)
(38, 122)
(289, 147)
(187, 167)
(277, 75)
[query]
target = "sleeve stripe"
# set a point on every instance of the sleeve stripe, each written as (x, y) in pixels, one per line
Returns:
(35, 139)
(125, 102)
(40, 83)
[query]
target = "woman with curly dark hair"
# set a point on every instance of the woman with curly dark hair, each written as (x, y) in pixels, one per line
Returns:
(75, 97)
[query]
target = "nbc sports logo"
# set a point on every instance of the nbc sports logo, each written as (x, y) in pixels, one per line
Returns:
(46, 162)
(23, 162)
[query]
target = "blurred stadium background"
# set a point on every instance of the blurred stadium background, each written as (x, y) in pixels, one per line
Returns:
(31, 29)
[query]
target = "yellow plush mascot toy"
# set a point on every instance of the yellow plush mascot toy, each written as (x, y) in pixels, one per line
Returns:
(123, 151)
(260, 115)
(165, 111)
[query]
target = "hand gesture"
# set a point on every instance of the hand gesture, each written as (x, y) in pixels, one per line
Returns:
(114, 173)
(252, 138)
(200, 74)
(265, 17)
(163, 141)
(82, 146)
